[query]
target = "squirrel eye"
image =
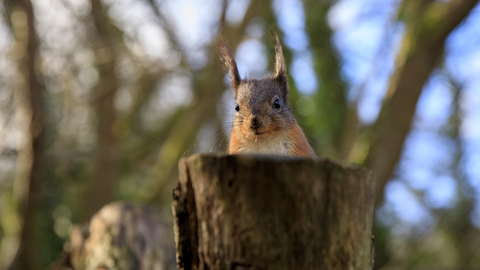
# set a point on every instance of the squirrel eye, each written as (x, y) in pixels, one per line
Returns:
(276, 104)
(237, 108)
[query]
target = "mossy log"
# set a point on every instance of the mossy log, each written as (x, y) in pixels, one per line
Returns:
(272, 212)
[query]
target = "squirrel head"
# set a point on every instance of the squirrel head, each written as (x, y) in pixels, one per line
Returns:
(262, 108)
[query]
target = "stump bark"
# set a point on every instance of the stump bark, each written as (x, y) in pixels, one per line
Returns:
(272, 212)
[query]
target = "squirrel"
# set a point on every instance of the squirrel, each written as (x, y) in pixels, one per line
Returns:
(263, 122)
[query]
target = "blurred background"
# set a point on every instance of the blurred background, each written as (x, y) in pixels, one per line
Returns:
(100, 99)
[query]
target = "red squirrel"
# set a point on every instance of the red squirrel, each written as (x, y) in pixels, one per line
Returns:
(263, 123)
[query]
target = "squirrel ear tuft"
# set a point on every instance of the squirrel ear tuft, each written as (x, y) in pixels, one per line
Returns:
(280, 69)
(228, 61)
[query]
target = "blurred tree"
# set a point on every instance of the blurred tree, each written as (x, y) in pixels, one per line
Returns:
(428, 23)
(30, 199)
(331, 108)
(100, 190)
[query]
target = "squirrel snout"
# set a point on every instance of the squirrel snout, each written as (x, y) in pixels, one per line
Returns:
(255, 122)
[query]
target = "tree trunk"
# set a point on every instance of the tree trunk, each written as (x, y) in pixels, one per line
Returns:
(101, 189)
(265, 212)
(30, 203)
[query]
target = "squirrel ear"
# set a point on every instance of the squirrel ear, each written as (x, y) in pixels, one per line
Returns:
(229, 62)
(280, 70)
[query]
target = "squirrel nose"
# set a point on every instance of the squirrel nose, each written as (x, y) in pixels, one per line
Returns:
(254, 122)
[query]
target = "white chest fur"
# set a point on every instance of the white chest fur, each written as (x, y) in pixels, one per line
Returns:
(276, 146)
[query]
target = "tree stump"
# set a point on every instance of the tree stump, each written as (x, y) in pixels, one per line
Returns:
(120, 236)
(272, 212)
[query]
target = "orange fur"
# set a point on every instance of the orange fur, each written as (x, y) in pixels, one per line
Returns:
(295, 141)
(234, 144)
(301, 146)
